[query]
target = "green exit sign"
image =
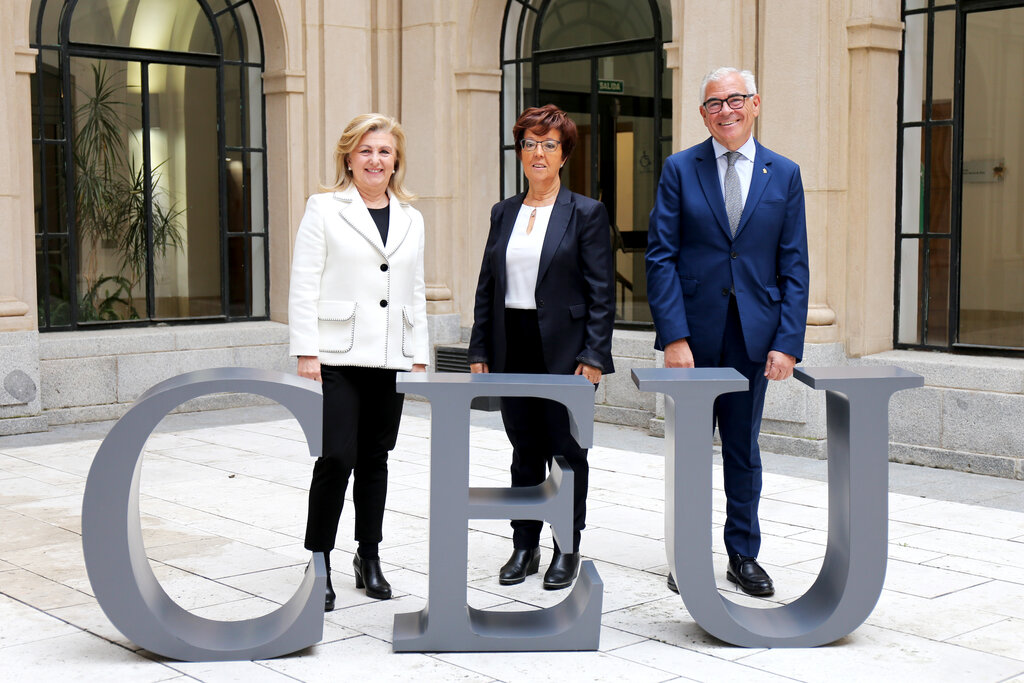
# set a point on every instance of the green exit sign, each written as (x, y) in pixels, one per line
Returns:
(610, 85)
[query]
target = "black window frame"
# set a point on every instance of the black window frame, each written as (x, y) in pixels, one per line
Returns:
(66, 49)
(961, 8)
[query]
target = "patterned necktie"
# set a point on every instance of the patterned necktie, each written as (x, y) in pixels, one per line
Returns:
(733, 197)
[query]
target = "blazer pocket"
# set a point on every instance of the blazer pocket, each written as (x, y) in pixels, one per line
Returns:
(408, 333)
(689, 286)
(577, 311)
(336, 323)
(773, 293)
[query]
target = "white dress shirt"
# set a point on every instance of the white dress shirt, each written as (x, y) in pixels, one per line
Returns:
(744, 165)
(522, 257)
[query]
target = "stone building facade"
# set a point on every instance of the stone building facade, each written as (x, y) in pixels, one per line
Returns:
(455, 72)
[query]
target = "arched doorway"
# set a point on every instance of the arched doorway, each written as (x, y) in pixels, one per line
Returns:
(150, 172)
(602, 61)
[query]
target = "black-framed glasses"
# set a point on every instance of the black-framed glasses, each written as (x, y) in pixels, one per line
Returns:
(546, 145)
(713, 105)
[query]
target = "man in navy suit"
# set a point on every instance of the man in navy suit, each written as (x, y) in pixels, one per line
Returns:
(727, 282)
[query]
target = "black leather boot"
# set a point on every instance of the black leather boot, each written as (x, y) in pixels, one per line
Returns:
(370, 577)
(563, 569)
(521, 564)
(330, 596)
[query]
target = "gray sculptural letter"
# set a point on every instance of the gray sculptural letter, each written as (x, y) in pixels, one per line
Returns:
(851, 577)
(447, 623)
(115, 558)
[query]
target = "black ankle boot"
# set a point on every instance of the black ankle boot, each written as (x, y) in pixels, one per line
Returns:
(330, 596)
(370, 577)
(521, 564)
(563, 569)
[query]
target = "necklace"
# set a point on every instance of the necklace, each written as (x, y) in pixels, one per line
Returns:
(529, 226)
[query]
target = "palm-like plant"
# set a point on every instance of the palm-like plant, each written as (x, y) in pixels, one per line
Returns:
(110, 189)
(99, 153)
(131, 237)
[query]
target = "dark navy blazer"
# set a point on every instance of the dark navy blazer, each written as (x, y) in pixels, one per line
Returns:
(575, 291)
(693, 264)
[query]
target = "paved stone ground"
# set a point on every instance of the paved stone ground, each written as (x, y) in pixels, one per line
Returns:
(223, 506)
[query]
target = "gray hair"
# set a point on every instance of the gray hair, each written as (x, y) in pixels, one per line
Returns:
(723, 71)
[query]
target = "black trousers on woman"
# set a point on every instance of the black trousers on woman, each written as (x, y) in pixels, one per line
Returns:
(362, 412)
(538, 430)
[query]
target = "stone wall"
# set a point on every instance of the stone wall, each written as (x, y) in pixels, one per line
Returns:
(967, 417)
(19, 383)
(96, 375)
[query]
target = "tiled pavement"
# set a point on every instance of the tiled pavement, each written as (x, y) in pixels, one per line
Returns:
(223, 510)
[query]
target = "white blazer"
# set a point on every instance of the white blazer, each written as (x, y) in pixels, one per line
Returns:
(352, 299)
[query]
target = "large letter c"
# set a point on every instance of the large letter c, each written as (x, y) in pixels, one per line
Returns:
(115, 557)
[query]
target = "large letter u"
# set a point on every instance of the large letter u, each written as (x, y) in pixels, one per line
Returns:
(851, 577)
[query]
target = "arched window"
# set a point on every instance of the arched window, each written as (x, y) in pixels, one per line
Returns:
(150, 161)
(602, 61)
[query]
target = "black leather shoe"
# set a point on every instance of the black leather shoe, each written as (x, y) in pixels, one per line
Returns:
(370, 577)
(521, 564)
(746, 573)
(671, 583)
(562, 571)
(330, 596)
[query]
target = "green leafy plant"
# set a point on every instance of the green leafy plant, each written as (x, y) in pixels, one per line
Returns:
(110, 303)
(110, 197)
(131, 238)
(99, 153)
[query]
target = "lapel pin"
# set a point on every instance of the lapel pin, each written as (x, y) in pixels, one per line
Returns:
(764, 170)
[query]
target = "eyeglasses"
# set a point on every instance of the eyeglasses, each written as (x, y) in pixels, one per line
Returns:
(546, 145)
(714, 105)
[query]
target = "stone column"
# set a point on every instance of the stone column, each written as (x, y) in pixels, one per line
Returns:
(478, 93)
(803, 117)
(20, 405)
(345, 80)
(289, 153)
(17, 259)
(313, 88)
(284, 91)
(386, 46)
(429, 34)
(711, 34)
(873, 41)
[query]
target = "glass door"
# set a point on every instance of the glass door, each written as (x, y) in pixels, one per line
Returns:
(611, 99)
(991, 297)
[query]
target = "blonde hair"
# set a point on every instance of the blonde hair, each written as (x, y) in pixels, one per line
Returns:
(349, 140)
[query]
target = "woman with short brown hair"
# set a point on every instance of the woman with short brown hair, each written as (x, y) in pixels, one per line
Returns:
(544, 304)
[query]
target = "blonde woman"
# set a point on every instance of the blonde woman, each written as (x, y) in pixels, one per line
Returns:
(357, 315)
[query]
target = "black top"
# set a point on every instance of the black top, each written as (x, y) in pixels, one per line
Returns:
(382, 217)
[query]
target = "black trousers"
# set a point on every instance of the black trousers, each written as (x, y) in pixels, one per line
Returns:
(362, 412)
(738, 415)
(538, 430)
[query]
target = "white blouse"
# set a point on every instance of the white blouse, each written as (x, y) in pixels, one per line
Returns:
(522, 257)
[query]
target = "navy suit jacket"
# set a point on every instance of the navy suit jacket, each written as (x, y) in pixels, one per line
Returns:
(693, 264)
(575, 287)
